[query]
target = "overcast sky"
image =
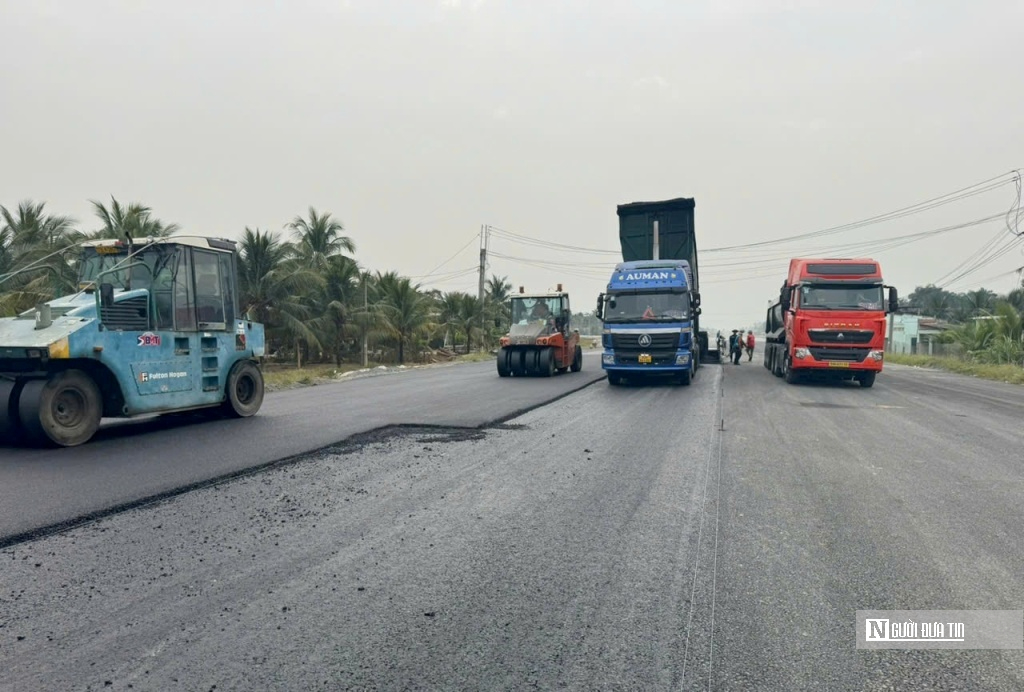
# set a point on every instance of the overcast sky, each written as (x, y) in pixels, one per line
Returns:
(415, 122)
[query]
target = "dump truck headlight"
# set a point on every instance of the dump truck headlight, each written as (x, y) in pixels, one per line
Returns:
(683, 359)
(608, 358)
(801, 353)
(876, 356)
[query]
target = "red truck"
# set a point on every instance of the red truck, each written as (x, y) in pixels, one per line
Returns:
(829, 321)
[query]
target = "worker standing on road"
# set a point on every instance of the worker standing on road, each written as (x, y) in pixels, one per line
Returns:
(750, 345)
(735, 347)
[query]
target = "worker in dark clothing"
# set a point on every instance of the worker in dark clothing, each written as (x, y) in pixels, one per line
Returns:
(735, 346)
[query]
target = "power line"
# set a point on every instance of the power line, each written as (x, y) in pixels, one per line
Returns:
(994, 254)
(460, 250)
(957, 195)
(948, 198)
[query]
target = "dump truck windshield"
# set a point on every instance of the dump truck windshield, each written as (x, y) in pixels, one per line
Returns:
(647, 307)
(864, 297)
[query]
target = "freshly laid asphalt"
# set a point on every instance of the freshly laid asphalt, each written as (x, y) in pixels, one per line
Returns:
(129, 461)
(718, 536)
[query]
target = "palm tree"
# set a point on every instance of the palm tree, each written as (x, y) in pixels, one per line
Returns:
(937, 304)
(275, 289)
(31, 237)
(134, 219)
(319, 239)
(449, 307)
(470, 312)
(342, 295)
(980, 301)
(1016, 299)
(403, 310)
(498, 291)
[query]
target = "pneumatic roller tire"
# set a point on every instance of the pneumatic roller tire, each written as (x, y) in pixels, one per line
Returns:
(546, 362)
(63, 410)
(10, 430)
(504, 362)
(244, 390)
(531, 359)
(577, 360)
(516, 364)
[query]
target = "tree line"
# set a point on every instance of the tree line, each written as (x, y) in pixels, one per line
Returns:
(318, 304)
(988, 327)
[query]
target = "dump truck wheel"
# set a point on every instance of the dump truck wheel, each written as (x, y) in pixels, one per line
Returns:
(244, 390)
(504, 363)
(64, 410)
(577, 360)
(866, 379)
(788, 372)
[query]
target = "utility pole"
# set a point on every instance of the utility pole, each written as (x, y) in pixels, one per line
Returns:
(483, 276)
(366, 318)
(483, 262)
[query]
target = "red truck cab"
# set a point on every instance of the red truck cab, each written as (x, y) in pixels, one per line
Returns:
(829, 321)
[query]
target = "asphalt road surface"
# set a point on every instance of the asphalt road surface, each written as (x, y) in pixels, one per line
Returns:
(618, 538)
(129, 461)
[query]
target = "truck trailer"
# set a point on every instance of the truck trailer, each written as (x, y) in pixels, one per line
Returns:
(651, 308)
(829, 321)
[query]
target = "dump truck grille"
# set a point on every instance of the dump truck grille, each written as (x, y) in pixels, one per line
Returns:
(850, 355)
(840, 336)
(631, 342)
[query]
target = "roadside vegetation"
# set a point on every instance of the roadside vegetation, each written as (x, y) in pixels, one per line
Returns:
(986, 338)
(318, 303)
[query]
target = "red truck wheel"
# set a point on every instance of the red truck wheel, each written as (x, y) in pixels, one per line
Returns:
(791, 376)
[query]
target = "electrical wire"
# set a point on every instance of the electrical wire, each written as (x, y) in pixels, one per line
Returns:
(457, 253)
(955, 196)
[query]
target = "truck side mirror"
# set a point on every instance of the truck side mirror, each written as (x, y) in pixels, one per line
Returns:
(894, 300)
(600, 304)
(784, 300)
(696, 300)
(106, 295)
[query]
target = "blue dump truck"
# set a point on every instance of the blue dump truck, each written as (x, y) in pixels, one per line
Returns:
(150, 326)
(651, 308)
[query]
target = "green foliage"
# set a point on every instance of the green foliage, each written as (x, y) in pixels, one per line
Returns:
(1001, 373)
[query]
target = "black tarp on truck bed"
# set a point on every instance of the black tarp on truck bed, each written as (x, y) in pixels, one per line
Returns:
(676, 237)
